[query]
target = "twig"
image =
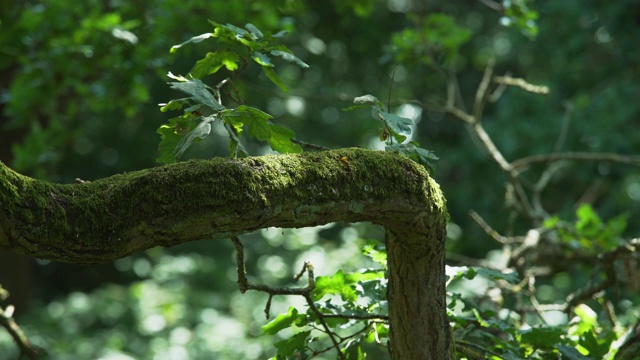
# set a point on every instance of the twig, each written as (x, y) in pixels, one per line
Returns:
(523, 84)
(245, 285)
(25, 346)
(478, 104)
(393, 76)
(493, 5)
(489, 230)
(564, 130)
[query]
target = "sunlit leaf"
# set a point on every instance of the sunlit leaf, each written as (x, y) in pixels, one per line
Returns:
(280, 140)
(336, 284)
(281, 321)
(375, 253)
(213, 61)
(262, 59)
(173, 105)
(368, 100)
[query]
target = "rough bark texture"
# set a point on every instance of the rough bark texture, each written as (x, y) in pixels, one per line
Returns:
(107, 219)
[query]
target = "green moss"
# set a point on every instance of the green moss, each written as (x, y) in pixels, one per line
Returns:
(165, 203)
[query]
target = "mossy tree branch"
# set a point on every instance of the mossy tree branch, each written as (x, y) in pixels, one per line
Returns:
(107, 219)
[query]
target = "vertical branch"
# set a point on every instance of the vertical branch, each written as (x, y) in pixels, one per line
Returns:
(416, 291)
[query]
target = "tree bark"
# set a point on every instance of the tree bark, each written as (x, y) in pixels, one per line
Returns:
(107, 219)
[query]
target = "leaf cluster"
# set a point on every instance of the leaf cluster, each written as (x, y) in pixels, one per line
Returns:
(204, 106)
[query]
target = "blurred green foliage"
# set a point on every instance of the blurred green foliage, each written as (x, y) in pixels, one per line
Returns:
(79, 91)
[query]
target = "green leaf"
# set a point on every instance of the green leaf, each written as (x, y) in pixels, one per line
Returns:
(255, 32)
(274, 78)
(598, 346)
(171, 135)
(201, 131)
(213, 61)
(571, 353)
(257, 125)
(368, 100)
(235, 146)
(198, 91)
(544, 338)
(261, 58)
(376, 254)
(289, 57)
(280, 34)
(256, 121)
(176, 104)
(353, 351)
(511, 277)
(195, 39)
(296, 343)
(415, 153)
(589, 222)
(471, 273)
(335, 284)
(282, 321)
(280, 140)
(400, 126)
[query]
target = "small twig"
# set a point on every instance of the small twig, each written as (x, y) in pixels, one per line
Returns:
(489, 230)
(523, 84)
(393, 76)
(564, 129)
(497, 93)
(25, 346)
(245, 285)
(493, 5)
(481, 93)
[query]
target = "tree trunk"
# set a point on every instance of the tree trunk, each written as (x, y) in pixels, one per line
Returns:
(110, 218)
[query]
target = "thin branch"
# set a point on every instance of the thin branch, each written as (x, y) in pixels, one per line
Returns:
(489, 230)
(25, 346)
(478, 104)
(245, 285)
(564, 130)
(393, 76)
(523, 84)
(493, 5)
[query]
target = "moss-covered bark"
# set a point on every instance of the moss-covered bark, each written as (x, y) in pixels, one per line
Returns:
(106, 219)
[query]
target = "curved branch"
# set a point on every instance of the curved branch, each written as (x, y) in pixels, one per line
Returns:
(103, 220)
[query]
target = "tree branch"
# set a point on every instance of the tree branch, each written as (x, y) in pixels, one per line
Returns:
(106, 219)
